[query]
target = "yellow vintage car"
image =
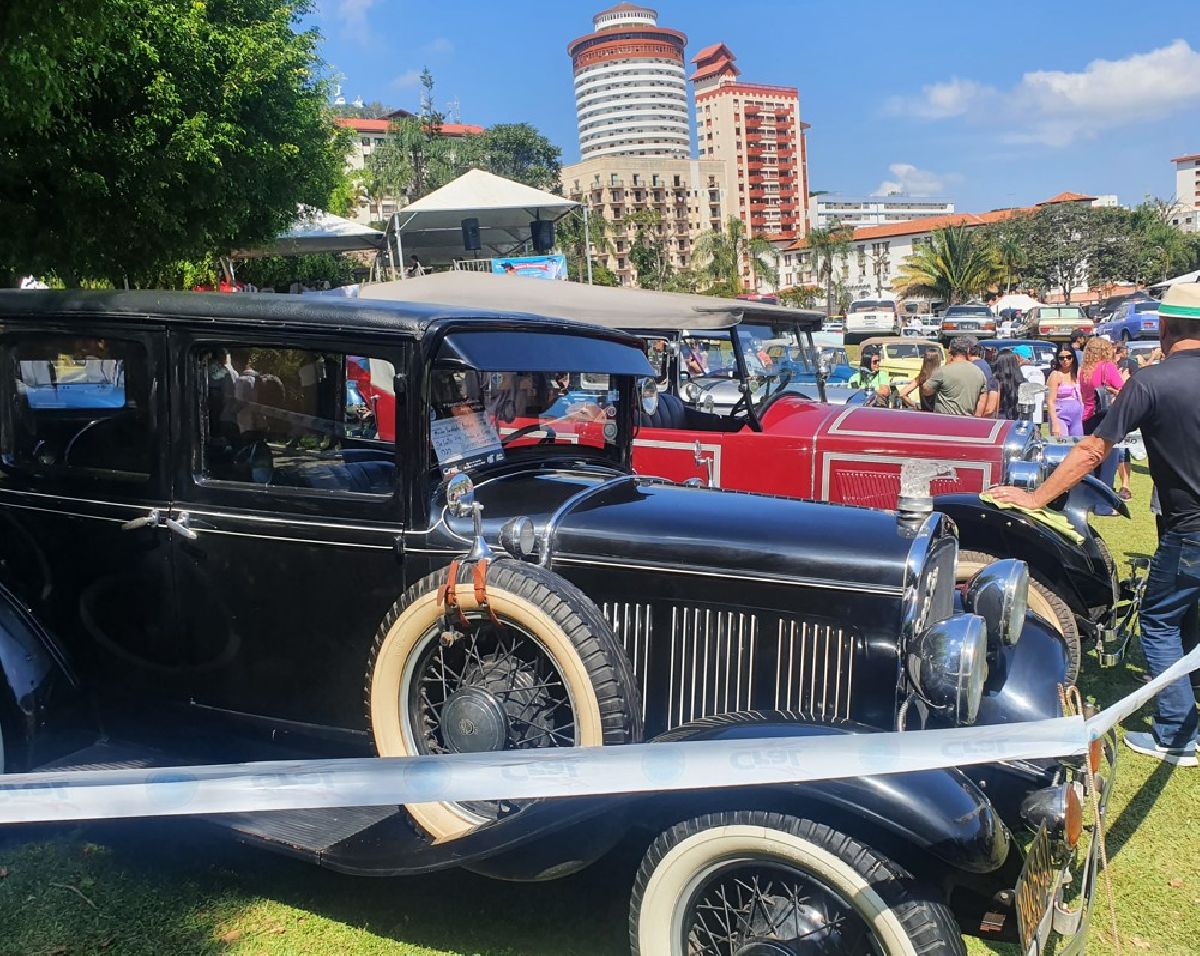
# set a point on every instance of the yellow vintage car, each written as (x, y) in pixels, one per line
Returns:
(900, 356)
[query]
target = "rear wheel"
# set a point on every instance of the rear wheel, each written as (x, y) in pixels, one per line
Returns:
(1125, 336)
(1043, 601)
(538, 667)
(751, 883)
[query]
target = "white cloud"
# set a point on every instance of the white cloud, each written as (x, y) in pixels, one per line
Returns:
(406, 80)
(442, 46)
(1057, 108)
(940, 100)
(351, 18)
(910, 181)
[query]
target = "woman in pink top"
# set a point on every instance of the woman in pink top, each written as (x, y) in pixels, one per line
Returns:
(1098, 370)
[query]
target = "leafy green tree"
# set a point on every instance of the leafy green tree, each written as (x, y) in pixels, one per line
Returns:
(827, 245)
(569, 236)
(957, 264)
(800, 297)
(516, 151)
(721, 253)
(649, 251)
(138, 133)
(1062, 239)
(415, 158)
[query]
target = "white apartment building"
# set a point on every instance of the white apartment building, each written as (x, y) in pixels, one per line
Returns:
(630, 94)
(1187, 193)
(874, 255)
(851, 212)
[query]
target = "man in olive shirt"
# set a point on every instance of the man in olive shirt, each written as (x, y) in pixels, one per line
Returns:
(958, 387)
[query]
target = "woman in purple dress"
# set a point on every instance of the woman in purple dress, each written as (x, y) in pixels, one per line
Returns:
(1064, 404)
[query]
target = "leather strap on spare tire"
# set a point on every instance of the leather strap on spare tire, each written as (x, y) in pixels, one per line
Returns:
(492, 656)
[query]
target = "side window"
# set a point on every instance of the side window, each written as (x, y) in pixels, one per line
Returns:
(296, 419)
(77, 409)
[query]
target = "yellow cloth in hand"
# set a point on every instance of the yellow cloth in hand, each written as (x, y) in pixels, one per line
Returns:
(1054, 520)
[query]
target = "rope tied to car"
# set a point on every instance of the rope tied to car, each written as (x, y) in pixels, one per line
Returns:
(1072, 706)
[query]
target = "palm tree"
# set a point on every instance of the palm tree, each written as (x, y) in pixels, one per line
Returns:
(720, 255)
(956, 264)
(826, 245)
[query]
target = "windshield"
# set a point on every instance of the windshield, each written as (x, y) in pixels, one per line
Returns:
(1146, 307)
(484, 417)
(1060, 313)
(873, 305)
(969, 310)
(907, 350)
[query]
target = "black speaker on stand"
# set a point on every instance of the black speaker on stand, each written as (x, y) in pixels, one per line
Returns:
(470, 235)
(543, 235)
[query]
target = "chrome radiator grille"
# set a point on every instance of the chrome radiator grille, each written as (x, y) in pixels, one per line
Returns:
(633, 624)
(706, 661)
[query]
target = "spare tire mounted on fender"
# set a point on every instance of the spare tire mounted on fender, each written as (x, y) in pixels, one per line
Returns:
(532, 665)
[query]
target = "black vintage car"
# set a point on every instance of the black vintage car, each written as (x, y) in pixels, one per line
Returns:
(244, 527)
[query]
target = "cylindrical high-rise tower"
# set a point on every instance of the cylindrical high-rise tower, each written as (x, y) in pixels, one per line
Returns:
(630, 93)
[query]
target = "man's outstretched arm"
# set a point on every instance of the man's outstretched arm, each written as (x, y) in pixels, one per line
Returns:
(1083, 459)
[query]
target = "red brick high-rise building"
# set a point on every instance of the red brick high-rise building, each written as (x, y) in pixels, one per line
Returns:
(757, 130)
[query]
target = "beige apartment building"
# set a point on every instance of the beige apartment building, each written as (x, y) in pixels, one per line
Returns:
(757, 130)
(687, 196)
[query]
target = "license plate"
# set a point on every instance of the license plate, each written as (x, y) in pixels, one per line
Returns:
(968, 325)
(1036, 892)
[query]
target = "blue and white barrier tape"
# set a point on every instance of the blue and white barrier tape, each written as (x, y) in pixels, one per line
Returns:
(559, 772)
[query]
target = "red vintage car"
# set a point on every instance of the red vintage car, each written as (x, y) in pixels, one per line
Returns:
(739, 403)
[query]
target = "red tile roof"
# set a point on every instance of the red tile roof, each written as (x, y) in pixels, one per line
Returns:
(1186, 159)
(709, 52)
(382, 125)
(914, 227)
(1066, 197)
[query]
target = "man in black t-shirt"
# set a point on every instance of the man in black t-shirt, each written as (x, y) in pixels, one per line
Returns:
(1163, 401)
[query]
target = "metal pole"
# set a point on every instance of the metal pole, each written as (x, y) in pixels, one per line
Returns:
(399, 260)
(587, 242)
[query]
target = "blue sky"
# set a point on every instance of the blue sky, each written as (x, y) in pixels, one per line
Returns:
(990, 104)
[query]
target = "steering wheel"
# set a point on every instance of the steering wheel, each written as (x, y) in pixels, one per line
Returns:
(583, 412)
(549, 438)
(92, 426)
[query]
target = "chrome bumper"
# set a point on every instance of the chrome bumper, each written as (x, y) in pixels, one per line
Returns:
(1070, 922)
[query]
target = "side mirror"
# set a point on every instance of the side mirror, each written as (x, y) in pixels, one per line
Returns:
(460, 496)
(648, 395)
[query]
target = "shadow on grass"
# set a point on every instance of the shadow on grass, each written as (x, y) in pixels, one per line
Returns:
(1125, 826)
(176, 886)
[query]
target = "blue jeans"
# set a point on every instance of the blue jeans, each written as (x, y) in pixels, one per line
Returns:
(1168, 608)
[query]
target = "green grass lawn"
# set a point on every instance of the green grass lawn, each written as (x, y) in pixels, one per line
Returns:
(169, 887)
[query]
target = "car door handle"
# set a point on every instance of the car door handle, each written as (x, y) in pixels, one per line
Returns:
(180, 527)
(153, 518)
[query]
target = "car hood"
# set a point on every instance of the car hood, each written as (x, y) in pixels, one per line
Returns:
(646, 523)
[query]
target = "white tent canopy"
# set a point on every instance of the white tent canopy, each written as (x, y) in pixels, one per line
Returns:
(316, 231)
(1015, 300)
(613, 307)
(1186, 277)
(431, 228)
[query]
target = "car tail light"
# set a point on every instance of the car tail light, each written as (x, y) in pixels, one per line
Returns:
(949, 325)
(1045, 329)
(1096, 755)
(1149, 325)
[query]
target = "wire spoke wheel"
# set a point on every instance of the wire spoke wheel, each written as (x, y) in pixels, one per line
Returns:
(765, 909)
(534, 667)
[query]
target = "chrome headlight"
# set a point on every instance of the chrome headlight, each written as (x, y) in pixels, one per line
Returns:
(1025, 474)
(518, 537)
(948, 664)
(1000, 595)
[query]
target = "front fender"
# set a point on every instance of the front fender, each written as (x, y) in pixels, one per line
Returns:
(1076, 572)
(940, 813)
(38, 693)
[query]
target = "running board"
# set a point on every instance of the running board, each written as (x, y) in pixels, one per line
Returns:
(308, 834)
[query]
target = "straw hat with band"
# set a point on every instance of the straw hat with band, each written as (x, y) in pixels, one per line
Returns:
(1182, 301)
